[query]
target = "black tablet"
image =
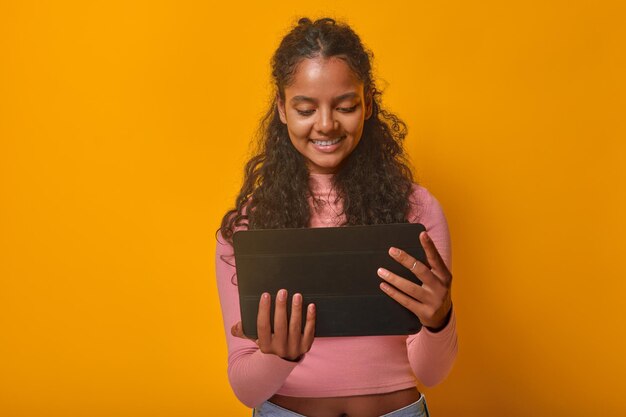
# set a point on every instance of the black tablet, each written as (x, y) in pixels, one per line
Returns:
(334, 268)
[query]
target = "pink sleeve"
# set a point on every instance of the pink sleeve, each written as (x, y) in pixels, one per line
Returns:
(432, 355)
(254, 376)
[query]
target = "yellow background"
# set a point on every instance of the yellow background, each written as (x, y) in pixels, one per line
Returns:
(123, 130)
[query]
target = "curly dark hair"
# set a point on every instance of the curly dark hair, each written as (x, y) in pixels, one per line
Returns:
(375, 180)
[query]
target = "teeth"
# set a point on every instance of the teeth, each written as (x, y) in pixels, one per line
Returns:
(327, 142)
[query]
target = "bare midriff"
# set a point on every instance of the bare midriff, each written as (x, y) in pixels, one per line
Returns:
(359, 405)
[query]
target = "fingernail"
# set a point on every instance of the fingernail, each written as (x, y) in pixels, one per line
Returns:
(265, 296)
(384, 287)
(311, 308)
(297, 299)
(282, 295)
(382, 272)
(395, 252)
(426, 237)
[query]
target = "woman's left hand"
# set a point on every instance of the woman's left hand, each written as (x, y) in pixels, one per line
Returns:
(431, 302)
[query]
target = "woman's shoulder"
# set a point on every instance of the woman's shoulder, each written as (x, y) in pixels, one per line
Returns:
(426, 209)
(423, 204)
(420, 191)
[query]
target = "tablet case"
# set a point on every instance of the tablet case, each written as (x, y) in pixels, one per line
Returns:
(334, 268)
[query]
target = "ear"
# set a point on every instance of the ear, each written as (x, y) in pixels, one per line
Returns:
(280, 106)
(368, 106)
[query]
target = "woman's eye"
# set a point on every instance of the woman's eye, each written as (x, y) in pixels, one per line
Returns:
(305, 112)
(348, 109)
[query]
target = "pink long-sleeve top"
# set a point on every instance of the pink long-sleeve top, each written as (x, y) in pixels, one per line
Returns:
(339, 366)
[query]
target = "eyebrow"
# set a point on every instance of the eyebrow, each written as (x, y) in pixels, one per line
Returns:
(299, 99)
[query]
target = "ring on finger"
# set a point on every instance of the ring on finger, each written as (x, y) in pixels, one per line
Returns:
(414, 263)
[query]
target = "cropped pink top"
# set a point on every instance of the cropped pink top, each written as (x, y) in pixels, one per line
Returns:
(339, 366)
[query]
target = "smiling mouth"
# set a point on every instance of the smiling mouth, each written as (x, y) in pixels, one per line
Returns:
(327, 142)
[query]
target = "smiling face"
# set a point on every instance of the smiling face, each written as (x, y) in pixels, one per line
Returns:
(324, 109)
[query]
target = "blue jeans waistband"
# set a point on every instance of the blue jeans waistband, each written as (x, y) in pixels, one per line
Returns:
(416, 409)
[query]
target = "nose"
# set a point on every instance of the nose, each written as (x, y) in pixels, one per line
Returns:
(326, 123)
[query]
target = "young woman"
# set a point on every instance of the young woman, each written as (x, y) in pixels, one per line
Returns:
(329, 155)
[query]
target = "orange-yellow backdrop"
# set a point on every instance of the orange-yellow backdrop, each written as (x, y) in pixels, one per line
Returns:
(123, 130)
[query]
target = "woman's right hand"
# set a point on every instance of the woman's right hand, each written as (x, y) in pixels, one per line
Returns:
(288, 341)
